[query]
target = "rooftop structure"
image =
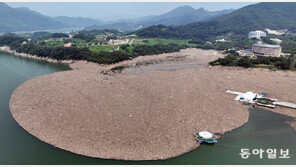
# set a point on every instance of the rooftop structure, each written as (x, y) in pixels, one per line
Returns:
(267, 46)
(246, 52)
(68, 45)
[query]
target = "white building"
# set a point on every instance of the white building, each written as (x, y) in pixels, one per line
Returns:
(276, 40)
(246, 52)
(221, 40)
(257, 34)
(276, 32)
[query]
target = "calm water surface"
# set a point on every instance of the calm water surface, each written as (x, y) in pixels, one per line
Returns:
(264, 130)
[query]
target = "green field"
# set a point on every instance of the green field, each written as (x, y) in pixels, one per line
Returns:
(101, 48)
(152, 41)
(79, 42)
(54, 43)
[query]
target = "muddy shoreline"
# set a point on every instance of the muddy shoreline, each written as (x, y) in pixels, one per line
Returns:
(149, 113)
(8, 50)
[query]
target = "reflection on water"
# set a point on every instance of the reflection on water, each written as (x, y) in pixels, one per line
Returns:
(264, 130)
(61, 30)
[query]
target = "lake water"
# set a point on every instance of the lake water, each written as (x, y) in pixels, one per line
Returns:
(62, 30)
(264, 130)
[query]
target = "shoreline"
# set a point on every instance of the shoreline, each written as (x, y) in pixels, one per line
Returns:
(154, 110)
(8, 50)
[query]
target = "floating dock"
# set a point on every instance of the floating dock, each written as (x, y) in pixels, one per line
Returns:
(286, 104)
(254, 98)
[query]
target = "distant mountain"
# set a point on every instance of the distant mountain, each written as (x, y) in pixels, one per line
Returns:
(76, 21)
(184, 15)
(179, 16)
(24, 9)
(257, 16)
(146, 18)
(21, 19)
(24, 19)
(120, 26)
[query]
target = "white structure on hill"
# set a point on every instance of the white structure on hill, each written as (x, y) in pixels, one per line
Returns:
(257, 34)
(276, 32)
(276, 40)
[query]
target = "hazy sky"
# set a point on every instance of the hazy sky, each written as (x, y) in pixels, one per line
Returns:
(118, 10)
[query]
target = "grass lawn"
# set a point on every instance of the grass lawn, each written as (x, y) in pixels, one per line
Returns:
(162, 41)
(54, 43)
(100, 48)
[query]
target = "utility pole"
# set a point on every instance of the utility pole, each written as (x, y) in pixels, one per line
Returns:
(113, 46)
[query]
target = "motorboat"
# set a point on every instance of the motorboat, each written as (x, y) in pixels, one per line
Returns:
(205, 137)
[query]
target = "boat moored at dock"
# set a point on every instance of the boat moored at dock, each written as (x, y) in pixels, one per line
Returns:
(259, 99)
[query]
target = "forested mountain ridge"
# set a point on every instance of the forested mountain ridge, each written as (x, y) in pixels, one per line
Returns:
(184, 15)
(275, 15)
(178, 16)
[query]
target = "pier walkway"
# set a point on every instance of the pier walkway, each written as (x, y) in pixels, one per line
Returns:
(234, 92)
(286, 104)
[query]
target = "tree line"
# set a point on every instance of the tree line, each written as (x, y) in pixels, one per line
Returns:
(138, 50)
(283, 63)
(74, 53)
(46, 35)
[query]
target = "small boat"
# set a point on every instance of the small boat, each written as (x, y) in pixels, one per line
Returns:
(265, 101)
(205, 137)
